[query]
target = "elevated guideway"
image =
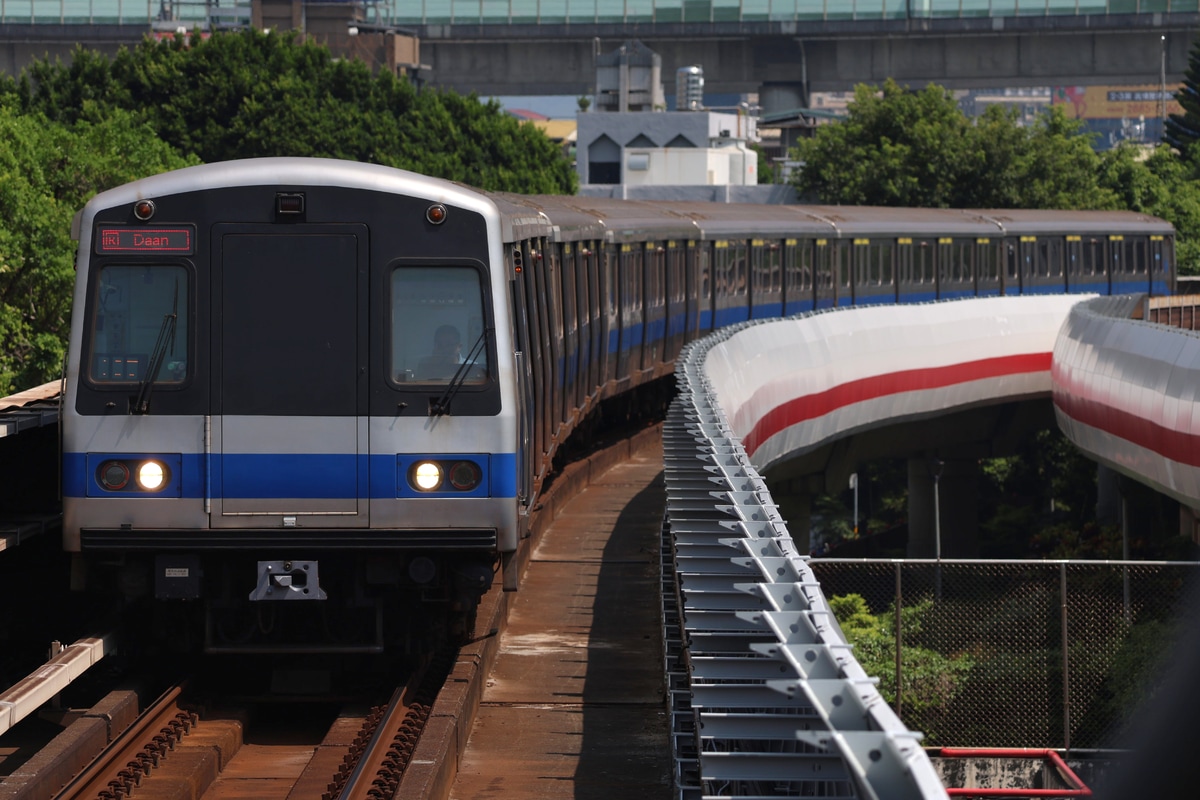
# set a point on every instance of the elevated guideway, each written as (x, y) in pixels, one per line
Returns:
(782, 49)
(764, 683)
(1127, 391)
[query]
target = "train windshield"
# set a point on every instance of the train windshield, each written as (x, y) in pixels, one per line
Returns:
(437, 320)
(127, 328)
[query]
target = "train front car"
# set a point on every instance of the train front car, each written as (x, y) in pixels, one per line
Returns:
(289, 414)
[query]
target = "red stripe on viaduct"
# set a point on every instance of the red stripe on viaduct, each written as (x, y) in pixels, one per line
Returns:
(1180, 446)
(812, 406)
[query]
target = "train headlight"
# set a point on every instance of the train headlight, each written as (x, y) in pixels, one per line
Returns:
(151, 475)
(465, 475)
(114, 476)
(426, 476)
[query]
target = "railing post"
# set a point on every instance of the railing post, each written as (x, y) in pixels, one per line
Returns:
(899, 643)
(1125, 553)
(1066, 660)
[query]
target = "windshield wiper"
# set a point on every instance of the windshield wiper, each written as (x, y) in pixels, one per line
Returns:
(441, 406)
(166, 338)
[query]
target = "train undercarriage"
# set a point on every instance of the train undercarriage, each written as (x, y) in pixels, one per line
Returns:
(258, 602)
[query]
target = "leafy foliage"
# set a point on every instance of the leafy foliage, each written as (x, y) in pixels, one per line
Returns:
(1182, 131)
(1164, 184)
(905, 148)
(47, 171)
(250, 94)
(929, 680)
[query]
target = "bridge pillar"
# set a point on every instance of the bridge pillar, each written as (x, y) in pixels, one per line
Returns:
(1108, 495)
(957, 484)
(1189, 523)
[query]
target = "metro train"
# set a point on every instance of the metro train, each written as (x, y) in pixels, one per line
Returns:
(312, 404)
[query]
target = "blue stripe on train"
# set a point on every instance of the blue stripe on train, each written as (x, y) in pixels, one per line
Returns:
(333, 476)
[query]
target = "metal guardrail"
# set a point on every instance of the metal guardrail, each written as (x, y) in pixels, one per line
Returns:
(767, 698)
(557, 12)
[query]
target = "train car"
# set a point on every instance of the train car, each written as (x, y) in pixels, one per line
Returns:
(312, 404)
(291, 389)
(1102, 252)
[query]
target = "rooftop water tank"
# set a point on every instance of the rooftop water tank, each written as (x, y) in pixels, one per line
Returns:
(689, 88)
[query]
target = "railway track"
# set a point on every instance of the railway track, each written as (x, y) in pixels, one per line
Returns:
(179, 746)
(183, 744)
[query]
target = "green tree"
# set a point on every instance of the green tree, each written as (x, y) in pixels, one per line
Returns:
(47, 172)
(1163, 184)
(904, 148)
(250, 94)
(895, 147)
(1182, 131)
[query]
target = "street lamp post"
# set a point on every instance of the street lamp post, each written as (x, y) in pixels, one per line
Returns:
(1162, 96)
(854, 486)
(935, 469)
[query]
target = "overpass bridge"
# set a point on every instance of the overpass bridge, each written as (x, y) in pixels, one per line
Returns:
(783, 49)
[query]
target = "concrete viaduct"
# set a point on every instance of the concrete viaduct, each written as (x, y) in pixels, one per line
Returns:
(783, 61)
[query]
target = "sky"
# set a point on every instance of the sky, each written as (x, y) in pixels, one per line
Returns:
(553, 106)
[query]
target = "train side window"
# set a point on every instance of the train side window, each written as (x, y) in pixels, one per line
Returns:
(987, 268)
(437, 324)
(1093, 257)
(924, 265)
(1138, 255)
(141, 312)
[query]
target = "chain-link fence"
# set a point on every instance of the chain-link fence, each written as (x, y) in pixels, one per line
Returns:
(1054, 654)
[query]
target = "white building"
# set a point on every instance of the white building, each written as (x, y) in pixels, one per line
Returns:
(631, 147)
(686, 148)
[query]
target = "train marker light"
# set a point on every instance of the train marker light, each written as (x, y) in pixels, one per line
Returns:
(289, 203)
(114, 476)
(436, 214)
(143, 209)
(465, 475)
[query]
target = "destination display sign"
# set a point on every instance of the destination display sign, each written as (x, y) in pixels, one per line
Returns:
(179, 239)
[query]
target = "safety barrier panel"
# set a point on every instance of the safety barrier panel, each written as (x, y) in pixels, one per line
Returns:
(767, 697)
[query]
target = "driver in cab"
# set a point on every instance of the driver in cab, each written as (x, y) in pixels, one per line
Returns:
(446, 356)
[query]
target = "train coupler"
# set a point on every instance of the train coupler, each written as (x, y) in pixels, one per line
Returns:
(288, 580)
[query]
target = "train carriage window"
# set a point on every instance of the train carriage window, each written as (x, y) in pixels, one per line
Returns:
(885, 259)
(800, 262)
(437, 325)
(962, 261)
(862, 261)
(140, 318)
(924, 266)
(987, 263)
(843, 271)
(1052, 256)
(774, 257)
(1137, 255)
(1092, 257)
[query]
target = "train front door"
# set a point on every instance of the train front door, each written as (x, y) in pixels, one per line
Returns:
(289, 377)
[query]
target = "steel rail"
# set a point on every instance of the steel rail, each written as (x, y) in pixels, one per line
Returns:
(135, 753)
